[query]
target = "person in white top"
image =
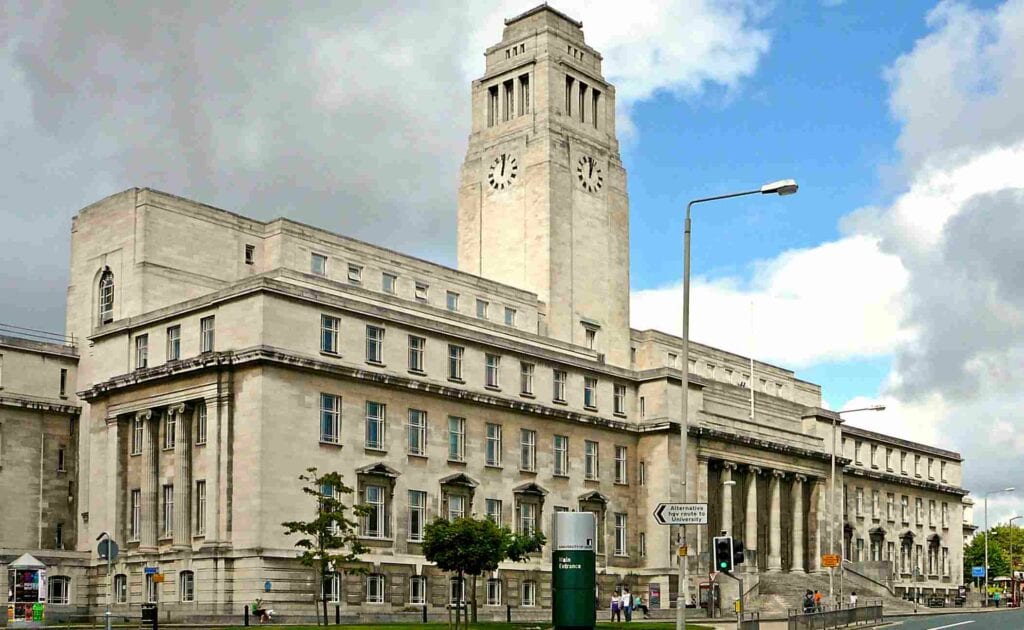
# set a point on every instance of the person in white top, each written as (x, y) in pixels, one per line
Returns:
(616, 607)
(853, 599)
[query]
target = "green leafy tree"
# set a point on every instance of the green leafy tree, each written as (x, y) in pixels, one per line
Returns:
(1010, 539)
(974, 556)
(470, 546)
(329, 541)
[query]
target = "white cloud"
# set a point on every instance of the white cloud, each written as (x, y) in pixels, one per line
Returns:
(839, 300)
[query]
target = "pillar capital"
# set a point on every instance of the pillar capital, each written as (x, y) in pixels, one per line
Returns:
(177, 410)
(778, 474)
(729, 465)
(754, 470)
(144, 415)
(799, 478)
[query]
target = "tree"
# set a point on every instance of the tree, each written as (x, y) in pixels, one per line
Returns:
(469, 546)
(974, 556)
(329, 540)
(1009, 539)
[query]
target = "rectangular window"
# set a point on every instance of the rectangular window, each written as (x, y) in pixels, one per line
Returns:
(942, 472)
(568, 95)
(931, 469)
(918, 511)
(456, 439)
(63, 382)
(481, 309)
(903, 463)
(529, 593)
(250, 254)
(559, 381)
(173, 343)
(455, 354)
(332, 588)
(590, 463)
(376, 425)
(860, 502)
(201, 423)
(137, 426)
(888, 459)
(60, 460)
(527, 518)
(931, 513)
(422, 291)
(375, 521)
(374, 344)
(417, 514)
(642, 545)
(330, 419)
(121, 589)
(456, 506)
(452, 301)
(135, 526)
(355, 273)
(857, 448)
(874, 454)
(620, 400)
(389, 283)
(417, 432)
(493, 456)
(620, 464)
(492, 105)
(167, 519)
(318, 264)
(595, 106)
(590, 337)
(206, 334)
(141, 355)
(620, 534)
(493, 592)
(151, 589)
(527, 450)
(945, 515)
(492, 370)
(201, 507)
(509, 108)
(876, 505)
(561, 455)
(170, 429)
(890, 506)
(524, 94)
(917, 465)
(526, 378)
(589, 392)
(416, 346)
(643, 407)
(642, 473)
(583, 102)
(375, 589)
(329, 328)
(492, 509)
(510, 316)
(417, 590)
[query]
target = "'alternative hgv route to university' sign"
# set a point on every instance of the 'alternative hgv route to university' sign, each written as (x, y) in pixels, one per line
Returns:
(681, 514)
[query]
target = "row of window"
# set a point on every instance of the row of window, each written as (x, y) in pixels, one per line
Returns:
(514, 100)
(167, 511)
(170, 430)
(376, 587)
(876, 514)
(329, 336)
(890, 460)
(173, 340)
(376, 429)
(912, 560)
(421, 290)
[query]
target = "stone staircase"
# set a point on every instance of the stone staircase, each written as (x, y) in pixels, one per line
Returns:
(781, 592)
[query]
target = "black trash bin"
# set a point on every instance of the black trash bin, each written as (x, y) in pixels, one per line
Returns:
(149, 614)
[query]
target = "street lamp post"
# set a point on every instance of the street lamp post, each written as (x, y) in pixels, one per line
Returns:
(832, 492)
(1010, 489)
(781, 188)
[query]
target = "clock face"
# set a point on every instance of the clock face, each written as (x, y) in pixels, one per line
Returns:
(589, 173)
(503, 172)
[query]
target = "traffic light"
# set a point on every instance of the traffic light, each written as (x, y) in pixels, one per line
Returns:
(737, 552)
(723, 557)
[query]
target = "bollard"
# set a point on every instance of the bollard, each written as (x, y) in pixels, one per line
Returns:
(424, 609)
(246, 609)
(337, 614)
(508, 613)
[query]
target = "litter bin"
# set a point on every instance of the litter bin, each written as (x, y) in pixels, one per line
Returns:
(149, 615)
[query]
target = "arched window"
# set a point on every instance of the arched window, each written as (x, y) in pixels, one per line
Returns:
(187, 586)
(60, 589)
(120, 588)
(106, 296)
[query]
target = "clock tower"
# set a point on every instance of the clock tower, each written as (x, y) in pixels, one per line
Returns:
(542, 197)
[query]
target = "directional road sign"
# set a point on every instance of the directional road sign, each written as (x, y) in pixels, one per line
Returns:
(977, 571)
(681, 514)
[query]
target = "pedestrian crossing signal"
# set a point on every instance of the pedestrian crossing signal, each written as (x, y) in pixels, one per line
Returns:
(723, 556)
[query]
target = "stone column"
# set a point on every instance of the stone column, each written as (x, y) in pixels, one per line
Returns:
(798, 524)
(150, 483)
(115, 507)
(817, 519)
(750, 533)
(775, 521)
(727, 469)
(182, 478)
(699, 534)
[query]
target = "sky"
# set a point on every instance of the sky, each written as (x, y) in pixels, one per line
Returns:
(893, 277)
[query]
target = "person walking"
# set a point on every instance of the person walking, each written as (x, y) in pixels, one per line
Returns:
(817, 601)
(627, 604)
(616, 602)
(808, 601)
(641, 606)
(853, 599)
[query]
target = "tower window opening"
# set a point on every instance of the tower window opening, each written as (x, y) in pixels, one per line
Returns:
(492, 106)
(595, 109)
(568, 95)
(524, 94)
(510, 100)
(583, 101)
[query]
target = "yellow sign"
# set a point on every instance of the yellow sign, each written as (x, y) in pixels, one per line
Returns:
(682, 550)
(158, 578)
(830, 560)
(737, 607)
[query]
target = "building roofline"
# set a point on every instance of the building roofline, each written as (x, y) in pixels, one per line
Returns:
(42, 347)
(539, 8)
(888, 439)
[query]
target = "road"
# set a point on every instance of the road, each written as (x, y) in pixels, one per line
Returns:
(1009, 620)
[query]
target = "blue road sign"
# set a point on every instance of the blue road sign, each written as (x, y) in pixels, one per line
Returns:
(977, 571)
(150, 570)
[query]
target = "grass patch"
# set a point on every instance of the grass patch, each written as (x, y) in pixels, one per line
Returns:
(668, 625)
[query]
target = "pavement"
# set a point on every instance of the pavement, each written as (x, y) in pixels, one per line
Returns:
(1006, 619)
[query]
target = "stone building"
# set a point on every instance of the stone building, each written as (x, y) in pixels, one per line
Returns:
(221, 356)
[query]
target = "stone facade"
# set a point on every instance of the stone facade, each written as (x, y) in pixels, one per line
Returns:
(226, 355)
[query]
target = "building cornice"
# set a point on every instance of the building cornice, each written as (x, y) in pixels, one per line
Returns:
(900, 480)
(20, 401)
(907, 444)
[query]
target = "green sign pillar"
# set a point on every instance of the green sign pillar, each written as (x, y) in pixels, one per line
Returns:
(573, 575)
